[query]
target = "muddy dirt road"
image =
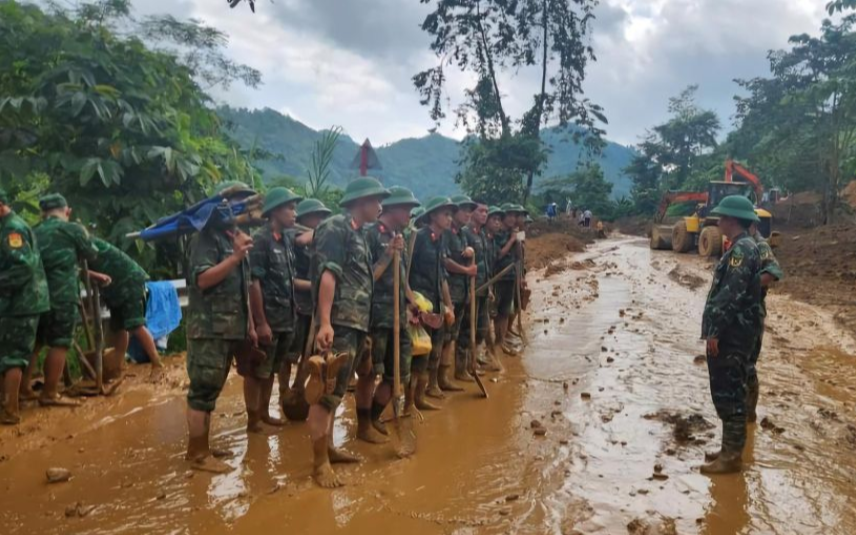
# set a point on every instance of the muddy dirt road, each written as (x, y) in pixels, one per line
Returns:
(610, 373)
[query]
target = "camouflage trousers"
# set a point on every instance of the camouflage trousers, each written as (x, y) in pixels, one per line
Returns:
(452, 333)
(208, 364)
(383, 354)
(352, 342)
(728, 386)
(127, 304)
(432, 360)
(481, 323)
(276, 353)
(752, 371)
(17, 340)
(505, 297)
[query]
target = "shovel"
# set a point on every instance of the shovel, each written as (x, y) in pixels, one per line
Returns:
(517, 285)
(473, 324)
(402, 427)
(295, 407)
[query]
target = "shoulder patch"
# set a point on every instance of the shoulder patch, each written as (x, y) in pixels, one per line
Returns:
(736, 260)
(15, 240)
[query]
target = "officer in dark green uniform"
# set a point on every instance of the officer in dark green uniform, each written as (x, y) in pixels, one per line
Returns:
(505, 243)
(771, 272)
(732, 316)
(459, 266)
(476, 238)
(343, 281)
(218, 322)
(126, 298)
(384, 238)
(310, 214)
(271, 301)
(428, 276)
(62, 245)
(23, 297)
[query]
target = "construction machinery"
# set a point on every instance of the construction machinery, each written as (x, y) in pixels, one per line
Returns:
(699, 230)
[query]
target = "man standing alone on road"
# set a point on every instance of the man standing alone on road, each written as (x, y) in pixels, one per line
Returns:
(732, 316)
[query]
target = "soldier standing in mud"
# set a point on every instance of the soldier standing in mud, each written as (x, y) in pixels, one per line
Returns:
(344, 283)
(428, 277)
(505, 241)
(460, 268)
(477, 241)
(23, 298)
(271, 302)
(384, 238)
(310, 214)
(218, 324)
(770, 272)
(732, 316)
(61, 245)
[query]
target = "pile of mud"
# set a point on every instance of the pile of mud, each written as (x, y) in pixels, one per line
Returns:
(820, 268)
(563, 224)
(685, 429)
(634, 226)
(547, 248)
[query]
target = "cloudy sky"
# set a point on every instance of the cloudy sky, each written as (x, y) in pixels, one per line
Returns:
(350, 62)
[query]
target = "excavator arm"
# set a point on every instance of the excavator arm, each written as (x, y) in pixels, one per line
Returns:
(674, 197)
(735, 170)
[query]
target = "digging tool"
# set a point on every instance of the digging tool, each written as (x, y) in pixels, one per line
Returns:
(295, 406)
(411, 243)
(473, 325)
(402, 427)
(517, 284)
(96, 336)
(495, 278)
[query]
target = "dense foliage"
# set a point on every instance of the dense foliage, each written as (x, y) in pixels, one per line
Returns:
(108, 111)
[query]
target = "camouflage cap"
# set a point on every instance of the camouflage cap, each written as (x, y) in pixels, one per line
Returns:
(312, 206)
(52, 201)
(464, 201)
(400, 196)
(363, 188)
(278, 196)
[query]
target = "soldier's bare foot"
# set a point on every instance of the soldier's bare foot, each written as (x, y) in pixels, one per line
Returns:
(464, 378)
(434, 392)
(368, 433)
(275, 422)
(27, 394)
(8, 418)
(407, 447)
(325, 477)
(339, 456)
(210, 464)
(57, 401)
(380, 427)
(425, 405)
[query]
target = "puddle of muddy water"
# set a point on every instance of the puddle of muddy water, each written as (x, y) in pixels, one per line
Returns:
(610, 364)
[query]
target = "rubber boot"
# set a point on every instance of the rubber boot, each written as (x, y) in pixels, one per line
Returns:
(752, 393)
(729, 461)
(421, 386)
(433, 389)
(445, 382)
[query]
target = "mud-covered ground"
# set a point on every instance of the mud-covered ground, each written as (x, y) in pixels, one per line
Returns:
(598, 428)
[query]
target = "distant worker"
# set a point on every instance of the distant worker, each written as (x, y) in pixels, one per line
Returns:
(569, 207)
(23, 298)
(587, 218)
(730, 326)
(770, 272)
(551, 212)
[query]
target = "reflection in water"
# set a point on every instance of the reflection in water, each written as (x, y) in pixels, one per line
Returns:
(728, 513)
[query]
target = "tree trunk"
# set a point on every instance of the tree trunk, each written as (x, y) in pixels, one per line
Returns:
(503, 119)
(530, 179)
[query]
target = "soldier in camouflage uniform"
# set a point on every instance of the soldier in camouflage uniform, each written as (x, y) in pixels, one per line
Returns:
(460, 267)
(384, 238)
(23, 297)
(310, 214)
(271, 302)
(62, 245)
(505, 243)
(218, 324)
(344, 283)
(770, 272)
(730, 325)
(428, 277)
(126, 298)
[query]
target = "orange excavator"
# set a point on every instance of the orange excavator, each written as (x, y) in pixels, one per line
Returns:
(700, 229)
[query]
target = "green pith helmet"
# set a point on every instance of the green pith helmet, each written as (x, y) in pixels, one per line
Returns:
(4, 197)
(521, 209)
(400, 196)
(736, 206)
(278, 196)
(52, 201)
(233, 188)
(416, 213)
(464, 201)
(435, 204)
(511, 208)
(312, 206)
(363, 188)
(495, 210)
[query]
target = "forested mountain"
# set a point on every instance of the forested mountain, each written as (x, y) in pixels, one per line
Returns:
(427, 165)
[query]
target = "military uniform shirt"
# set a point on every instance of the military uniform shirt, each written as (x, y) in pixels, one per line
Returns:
(769, 265)
(271, 263)
(340, 248)
(456, 242)
(119, 266)
(23, 285)
(478, 241)
(500, 239)
(303, 300)
(733, 304)
(379, 237)
(427, 272)
(221, 311)
(62, 244)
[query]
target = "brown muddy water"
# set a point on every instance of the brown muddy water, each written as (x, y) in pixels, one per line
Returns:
(609, 372)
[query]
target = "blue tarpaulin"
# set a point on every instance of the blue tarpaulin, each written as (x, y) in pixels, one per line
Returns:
(163, 315)
(194, 218)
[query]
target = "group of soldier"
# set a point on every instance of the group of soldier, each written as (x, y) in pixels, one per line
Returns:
(40, 299)
(308, 284)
